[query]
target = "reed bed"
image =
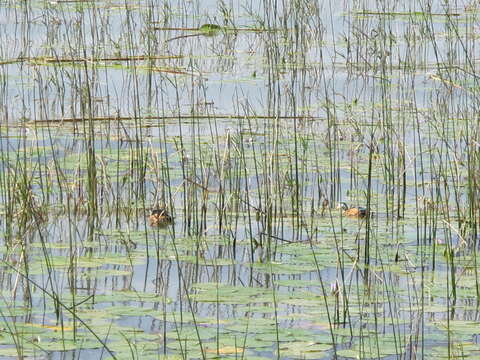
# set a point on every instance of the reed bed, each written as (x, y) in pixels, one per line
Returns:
(248, 123)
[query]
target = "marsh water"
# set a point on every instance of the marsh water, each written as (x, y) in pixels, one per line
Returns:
(248, 122)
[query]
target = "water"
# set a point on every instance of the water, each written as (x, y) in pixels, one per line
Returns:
(241, 135)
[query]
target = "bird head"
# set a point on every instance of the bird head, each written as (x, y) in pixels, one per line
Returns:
(343, 206)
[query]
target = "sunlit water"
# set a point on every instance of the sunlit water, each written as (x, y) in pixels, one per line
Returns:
(241, 135)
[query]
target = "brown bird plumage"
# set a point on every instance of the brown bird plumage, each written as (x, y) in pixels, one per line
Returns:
(358, 212)
(159, 217)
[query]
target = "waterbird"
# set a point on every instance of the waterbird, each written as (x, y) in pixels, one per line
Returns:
(160, 217)
(358, 211)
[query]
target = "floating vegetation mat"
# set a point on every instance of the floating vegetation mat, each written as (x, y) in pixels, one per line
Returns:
(239, 180)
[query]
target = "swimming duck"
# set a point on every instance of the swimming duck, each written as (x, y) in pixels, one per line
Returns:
(159, 217)
(359, 212)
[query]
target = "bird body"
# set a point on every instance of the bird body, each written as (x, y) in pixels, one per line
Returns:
(160, 217)
(358, 212)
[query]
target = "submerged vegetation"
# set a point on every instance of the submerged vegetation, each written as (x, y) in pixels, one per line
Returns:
(169, 176)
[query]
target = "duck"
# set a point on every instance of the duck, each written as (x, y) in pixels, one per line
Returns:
(359, 212)
(160, 217)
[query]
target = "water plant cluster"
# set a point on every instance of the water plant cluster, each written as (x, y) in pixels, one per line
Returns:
(247, 123)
